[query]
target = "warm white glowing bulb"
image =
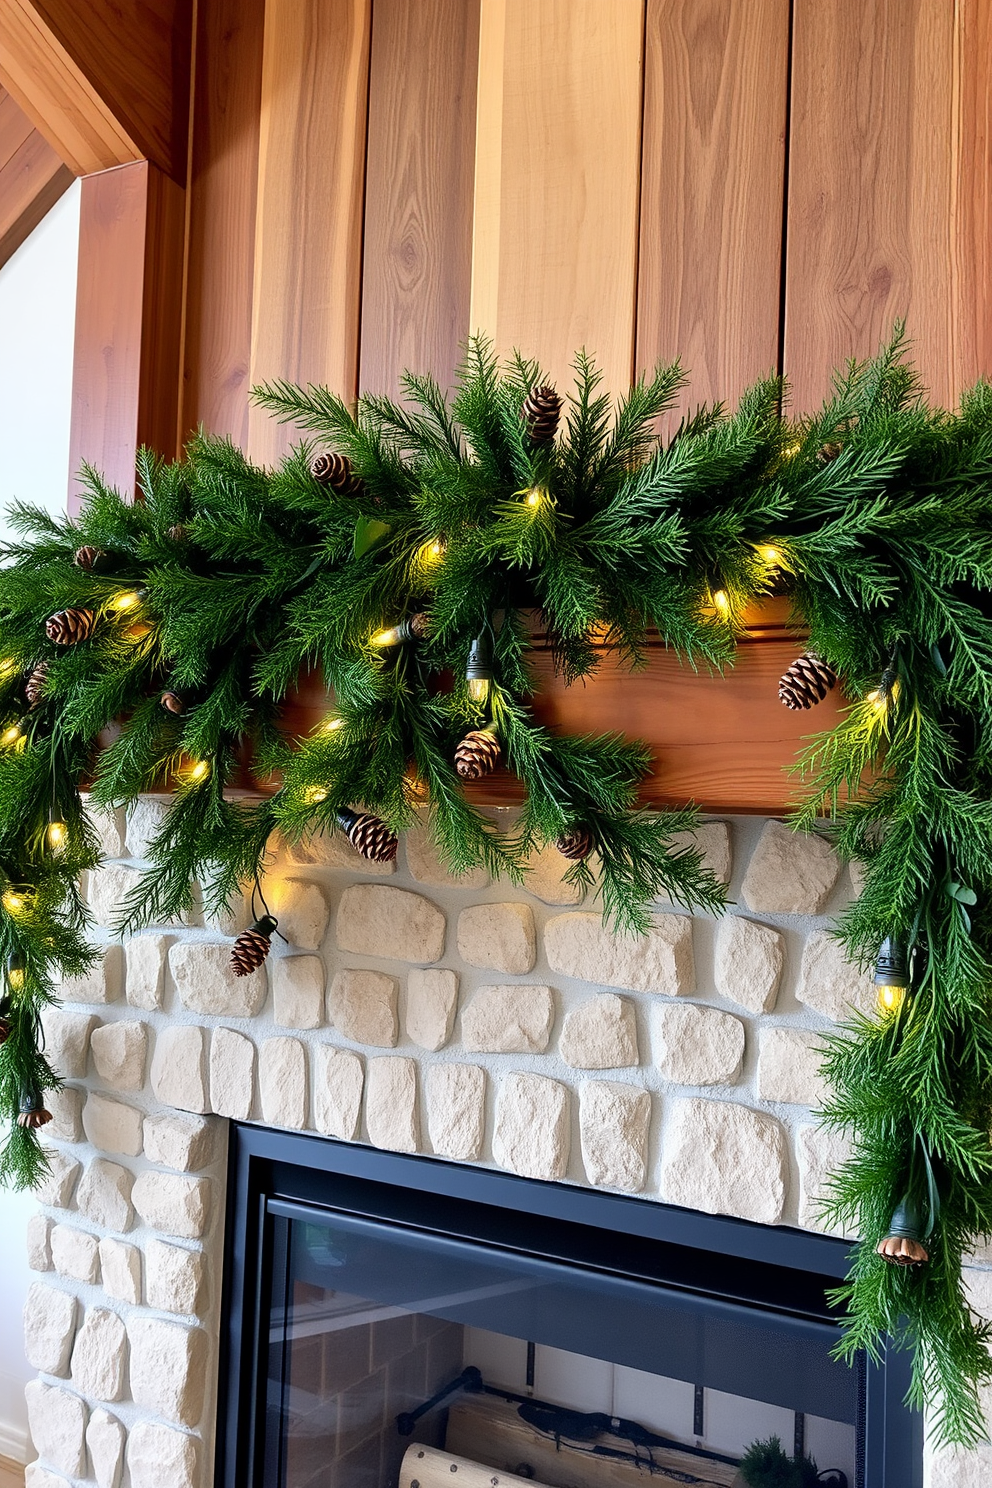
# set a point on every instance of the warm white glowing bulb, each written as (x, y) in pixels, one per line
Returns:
(14, 902)
(199, 771)
(770, 555)
(315, 795)
(331, 725)
(535, 497)
(478, 689)
(7, 668)
(57, 834)
(11, 735)
(127, 600)
(890, 999)
(431, 552)
(388, 637)
(722, 602)
(15, 978)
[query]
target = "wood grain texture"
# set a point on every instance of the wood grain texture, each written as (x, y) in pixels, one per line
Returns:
(222, 202)
(32, 177)
(972, 201)
(712, 188)
(556, 200)
(872, 161)
(416, 280)
(308, 241)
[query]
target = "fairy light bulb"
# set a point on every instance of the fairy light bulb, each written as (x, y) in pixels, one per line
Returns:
(198, 771)
(770, 555)
(126, 601)
(331, 725)
(12, 735)
(430, 553)
(56, 834)
(535, 498)
(314, 795)
(721, 603)
(890, 999)
(478, 672)
(7, 668)
(16, 972)
(14, 900)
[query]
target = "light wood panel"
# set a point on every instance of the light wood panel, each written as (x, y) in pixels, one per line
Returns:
(416, 278)
(712, 189)
(32, 177)
(556, 199)
(308, 242)
(972, 200)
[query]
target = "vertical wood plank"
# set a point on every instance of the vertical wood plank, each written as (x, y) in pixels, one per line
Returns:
(308, 238)
(972, 184)
(712, 188)
(557, 166)
(416, 278)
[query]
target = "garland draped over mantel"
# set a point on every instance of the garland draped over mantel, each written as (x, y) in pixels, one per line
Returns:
(402, 563)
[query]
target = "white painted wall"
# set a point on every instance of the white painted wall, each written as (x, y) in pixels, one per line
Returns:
(37, 313)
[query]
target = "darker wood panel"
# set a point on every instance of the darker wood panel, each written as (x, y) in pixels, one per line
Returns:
(160, 372)
(15, 127)
(973, 228)
(712, 186)
(420, 171)
(223, 191)
(31, 182)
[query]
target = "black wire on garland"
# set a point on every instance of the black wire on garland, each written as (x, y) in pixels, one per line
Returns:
(404, 563)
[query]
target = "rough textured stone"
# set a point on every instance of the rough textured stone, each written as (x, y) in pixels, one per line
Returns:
(858, 872)
(789, 1061)
(181, 1142)
(790, 872)
(424, 863)
(111, 1125)
(580, 945)
(102, 983)
(120, 1266)
(146, 957)
(172, 1203)
(724, 1158)
(173, 1277)
(49, 1328)
(712, 841)
(105, 1440)
(456, 1109)
(829, 983)
(509, 1020)
(431, 1003)
(144, 820)
(104, 1195)
(748, 964)
(391, 1103)
(108, 824)
(75, 1253)
(304, 911)
(179, 1067)
(56, 1185)
(37, 1476)
(600, 1034)
(297, 991)
(820, 1154)
(282, 1082)
(66, 1040)
(954, 1467)
(378, 920)
(498, 937)
(167, 1368)
(545, 870)
(613, 1128)
(338, 1078)
(532, 1127)
(37, 1237)
(231, 919)
(106, 890)
(66, 1109)
(119, 1051)
(58, 1423)
(332, 850)
(698, 1045)
(362, 1006)
(160, 1457)
(206, 983)
(232, 1074)
(98, 1355)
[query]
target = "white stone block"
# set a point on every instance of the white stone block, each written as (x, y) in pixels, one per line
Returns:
(160, 1457)
(108, 824)
(580, 945)
(49, 1328)
(99, 1355)
(724, 1158)
(378, 920)
(145, 820)
(789, 1062)
(282, 1082)
(232, 1074)
(456, 1109)
(111, 1125)
(546, 868)
(338, 1078)
(173, 1278)
(37, 1236)
(532, 1127)
(391, 1103)
(74, 1253)
(119, 1051)
(107, 889)
(230, 919)
(821, 1153)
(185, 1143)
(425, 864)
(361, 1005)
(698, 1045)
(431, 1003)
(613, 1127)
(297, 991)
(790, 872)
(748, 964)
(206, 983)
(712, 841)
(179, 1067)
(37, 1476)
(600, 1034)
(146, 957)
(56, 1185)
(168, 1364)
(498, 937)
(67, 1038)
(304, 911)
(104, 1195)
(331, 850)
(65, 1107)
(120, 1267)
(57, 1421)
(101, 983)
(829, 982)
(105, 1439)
(509, 1019)
(172, 1203)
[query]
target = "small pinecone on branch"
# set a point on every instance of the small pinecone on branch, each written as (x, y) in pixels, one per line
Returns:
(368, 835)
(34, 687)
(576, 843)
(541, 410)
(478, 754)
(829, 451)
(335, 471)
(32, 1110)
(807, 681)
(172, 703)
(88, 556)
(177, 534)
(252, 946)
(69, 627)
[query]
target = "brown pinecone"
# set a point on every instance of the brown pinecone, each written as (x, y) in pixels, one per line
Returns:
(829, 451)
(32, 1110)
(368, 835)
(172, 702)
(540, 411)
(34, 687)
(576, 843)
(252, 946)
(68, 627)
(88, 556)
(335, 471)
(177, 534)
(807, 681)
(478, 754)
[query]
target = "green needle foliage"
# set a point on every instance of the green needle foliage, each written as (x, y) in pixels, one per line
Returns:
(875, 515)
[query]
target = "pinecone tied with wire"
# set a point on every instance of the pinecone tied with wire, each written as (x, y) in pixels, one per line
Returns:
(478, 754)
(807, 681)
(252, 946)
(88, 557)
(335, 471)
(32, 1112)
(541, 410)
(34, 687)
(576, 843)
(368, 835)
(69, 627)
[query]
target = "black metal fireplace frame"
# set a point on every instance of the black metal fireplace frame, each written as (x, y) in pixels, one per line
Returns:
(782, 1270)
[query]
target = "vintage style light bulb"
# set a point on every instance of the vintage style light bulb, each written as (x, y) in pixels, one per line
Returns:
(413, 628)
(331, 725)
(430, 552)
(198, 770)
(478, 672)
(16, 972)
(8, 666)
(770, 555)
(314, 795)
(721, 603)
(126, 601)
(13, 734)
(56, 834)
(535, 497)
(892, 978)
(14, 899)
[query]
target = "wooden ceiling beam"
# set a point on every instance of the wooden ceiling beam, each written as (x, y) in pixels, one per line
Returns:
(32, 177)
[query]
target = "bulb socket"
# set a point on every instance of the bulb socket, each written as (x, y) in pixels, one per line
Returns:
(892, 964)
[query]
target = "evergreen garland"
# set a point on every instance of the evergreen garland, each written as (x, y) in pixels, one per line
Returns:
(411, 552)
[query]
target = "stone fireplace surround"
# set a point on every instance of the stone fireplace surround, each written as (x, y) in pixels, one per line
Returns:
(460, 1018)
